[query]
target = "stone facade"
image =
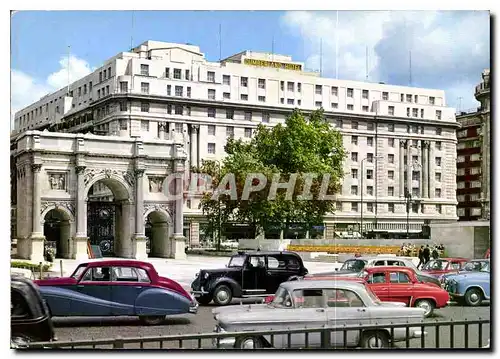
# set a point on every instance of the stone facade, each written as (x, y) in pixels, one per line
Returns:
(55, 172)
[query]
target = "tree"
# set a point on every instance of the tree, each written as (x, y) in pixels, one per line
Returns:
(297, 149)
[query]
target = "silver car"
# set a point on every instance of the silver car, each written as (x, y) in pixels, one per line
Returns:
(314, 304)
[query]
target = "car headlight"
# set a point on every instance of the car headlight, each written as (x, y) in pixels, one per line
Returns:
(205, 276)
(197, 275)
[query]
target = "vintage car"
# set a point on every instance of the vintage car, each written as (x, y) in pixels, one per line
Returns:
(29, 316)
(440, 266)
(475, 265)
(116, 288)
(248, 274)
(470, 288)
(314, 304)
(352, 267)
(399, 284)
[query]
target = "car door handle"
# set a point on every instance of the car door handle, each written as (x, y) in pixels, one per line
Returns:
(362, 310)
(320, 310)
(138, 287)
(80, 286)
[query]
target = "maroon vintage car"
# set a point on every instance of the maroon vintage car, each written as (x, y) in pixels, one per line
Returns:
(116, 288)
(440, 266)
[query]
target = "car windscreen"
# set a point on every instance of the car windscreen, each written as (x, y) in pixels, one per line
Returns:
(475, 266)
(354, 265)
(236, 261)
(435, 265)
(78, 272)
(282, 298)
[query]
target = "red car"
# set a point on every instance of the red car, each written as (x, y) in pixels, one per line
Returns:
(440, 266)
(116, 288)
(399, 284)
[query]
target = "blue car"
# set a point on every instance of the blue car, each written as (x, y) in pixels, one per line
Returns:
(475, 265)
(470, 288)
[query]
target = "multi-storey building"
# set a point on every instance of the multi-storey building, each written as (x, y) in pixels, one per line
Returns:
(473, 157)
(405, 137)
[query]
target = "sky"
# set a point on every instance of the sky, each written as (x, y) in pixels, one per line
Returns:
(449, 49)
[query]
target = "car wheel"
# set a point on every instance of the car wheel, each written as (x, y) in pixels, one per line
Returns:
(427, 305)
(248, 343)
(222, 295)
(473, 297)
(152, 319)
(204, 299)
(375, 340)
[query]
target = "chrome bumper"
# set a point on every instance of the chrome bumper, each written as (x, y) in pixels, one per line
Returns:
(224, 343)
(198, 293)
(193, 309)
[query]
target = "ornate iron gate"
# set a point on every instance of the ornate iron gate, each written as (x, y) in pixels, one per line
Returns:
(101, 226)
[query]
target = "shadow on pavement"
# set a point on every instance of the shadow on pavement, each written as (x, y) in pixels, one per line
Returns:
(114, 322)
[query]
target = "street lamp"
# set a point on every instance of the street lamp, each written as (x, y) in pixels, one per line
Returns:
(378, 157)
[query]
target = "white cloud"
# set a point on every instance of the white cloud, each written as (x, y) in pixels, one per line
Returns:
(449, 49)
(25, 89)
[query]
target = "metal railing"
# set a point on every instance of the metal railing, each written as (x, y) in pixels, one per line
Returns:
(439, 334)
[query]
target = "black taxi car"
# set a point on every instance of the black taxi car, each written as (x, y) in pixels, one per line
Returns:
(30, 319)
(248, 274)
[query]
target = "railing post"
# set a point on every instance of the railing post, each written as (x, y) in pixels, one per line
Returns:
(325, 339)
(61, 267)
(118, 343)
(41, 270)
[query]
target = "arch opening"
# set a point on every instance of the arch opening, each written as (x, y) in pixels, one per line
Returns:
(57, 232)
(158, 229)
(108, 208)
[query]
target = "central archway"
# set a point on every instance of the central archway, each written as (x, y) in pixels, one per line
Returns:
(110, 217)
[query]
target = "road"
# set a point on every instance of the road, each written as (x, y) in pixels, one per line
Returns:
(203, 322)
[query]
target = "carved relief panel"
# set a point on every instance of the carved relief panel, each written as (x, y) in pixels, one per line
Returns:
(58, 181)
(156, 184)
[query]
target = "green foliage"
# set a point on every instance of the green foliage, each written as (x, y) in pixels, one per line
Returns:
(300, 146)
(31, 266)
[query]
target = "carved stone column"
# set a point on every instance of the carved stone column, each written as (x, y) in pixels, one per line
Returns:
(161, 131)
(140, 238)
(179, 244)
(425, 169)
(402, 146)
(432, 163)
(81, 213)
(194, 145)
(409, 167)
(37, 237)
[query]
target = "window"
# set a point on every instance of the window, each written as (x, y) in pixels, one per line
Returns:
(123, 87)
(79, 91)
(354, 173)
(369, 174)
(421, 113)
(169, 90)
(350, 107)
(318, 104)
(308, 298)
(177, 74)
(211, 112)
(265, 117)
(123, 106)
(354, 157)
(438, 161)
(350, 92)
(169, 109)
(144, 106)
(364, 94)
(354, 125)
(391, 111)
(390, 174)
(179, 128)
(407, 112)
(282, 100)
(178, 91)
(369, 141)
(461, 184)
(248, 132)
(98, 93)
(437, 191)
(390, 158)
(438, 114)
(339, 123)
(414, 159)
(375, 278)
(439, 208)
(262, 83)
(390, 191)
(187, 75)
(230, 131)
(354, 190)
(408, 98)
(290, 86)
(104, 74)
(244, 97)
(369, 157)
(432, 100)
(145, 126)
(390, 127)
(335, 91)
(248, 116)
(299, 87)
(369, 205)
(210, 76)
(144, 71)
(167, 72)
(90, 86)
(244, 81)
(229, 114)
(438, 131)
(97, 274)
(398, 277)
(282, 85)
(370, 126)
(262, 98)
(335, 105)
(461, 172)
(100, 74)
(438, 176)
(475, 170)
(365, 108)
(226, 80)
(354, 206)
(290, 101)
(318, 89)
(188, 110)
(211, 148)
(390, 142)
(415, 175)
(211, 94)
(211, 130)
(385, 96)
(415, 112)
(178, 110)
(123, 124)
(354, 140)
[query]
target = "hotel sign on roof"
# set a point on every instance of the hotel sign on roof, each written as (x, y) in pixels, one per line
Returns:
(276, 65)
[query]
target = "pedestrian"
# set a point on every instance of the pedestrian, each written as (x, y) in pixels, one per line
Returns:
(427, 254)
(421, 257)
(435, 253)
